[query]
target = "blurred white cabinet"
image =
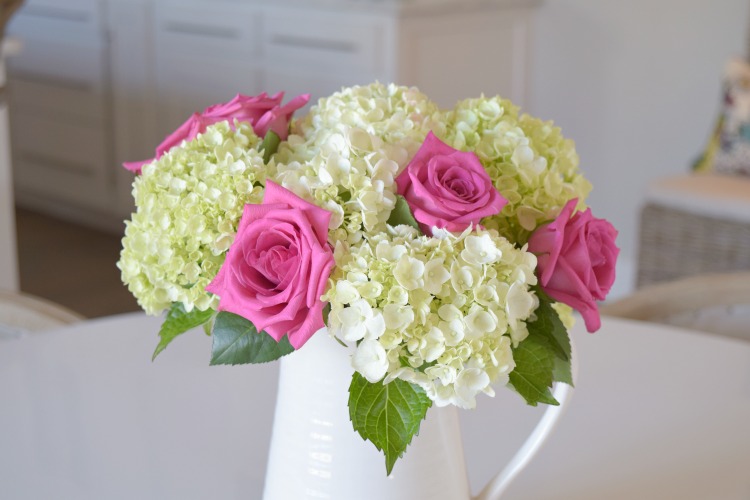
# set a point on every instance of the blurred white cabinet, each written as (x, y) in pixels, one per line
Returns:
(205, 53)
(59, 88)
(103, 81)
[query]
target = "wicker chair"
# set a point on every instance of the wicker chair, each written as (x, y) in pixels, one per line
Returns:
(715, 303)
(694, 224)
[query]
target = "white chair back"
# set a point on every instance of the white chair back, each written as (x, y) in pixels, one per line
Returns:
(716, 303)
(21, 313)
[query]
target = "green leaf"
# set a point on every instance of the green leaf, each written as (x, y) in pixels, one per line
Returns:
(543, 357)
(533, 374)
(270, 145)
(388, 415)
(549, 326)
(177, 322)
(402, 214)
(236, 341)
(562, 371)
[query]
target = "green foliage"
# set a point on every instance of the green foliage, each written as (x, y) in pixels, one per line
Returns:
(177, 322)
(543, 357)
(532, 376)
(548, 325)
(402, 214)
(388, 415)
(236, 341)
(561, 372)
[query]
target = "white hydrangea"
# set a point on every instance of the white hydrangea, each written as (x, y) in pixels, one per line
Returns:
(440, 312)
(345, 155)
(532, 165)
(189, 202)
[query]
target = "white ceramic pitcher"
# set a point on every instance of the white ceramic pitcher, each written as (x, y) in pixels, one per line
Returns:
(316, 454)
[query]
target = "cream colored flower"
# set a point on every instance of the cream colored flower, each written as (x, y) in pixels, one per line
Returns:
(370, 359)
(532, 165)
(346, 153)
(189, 202)
(451, 308)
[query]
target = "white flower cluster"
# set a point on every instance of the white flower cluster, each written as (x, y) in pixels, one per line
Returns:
(440, 312)
(348, 150)
(189, 202)
(532, 165)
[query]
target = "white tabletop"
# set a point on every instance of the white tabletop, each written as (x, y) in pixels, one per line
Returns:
(84, 414)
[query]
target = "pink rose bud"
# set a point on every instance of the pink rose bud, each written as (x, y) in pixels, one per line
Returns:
(577, 257)
(278, 266)
(447, 188)
(262, 112)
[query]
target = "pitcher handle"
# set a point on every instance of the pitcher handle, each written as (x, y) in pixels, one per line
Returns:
(563, 394)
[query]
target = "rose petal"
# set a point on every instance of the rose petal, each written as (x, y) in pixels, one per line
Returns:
(278, 266)
(447, 188)
(576, 260)
(262, 112)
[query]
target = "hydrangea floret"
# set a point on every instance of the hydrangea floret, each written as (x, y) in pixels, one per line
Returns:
(532, 165)
(189, 202)
(347, 152)
(442, 312)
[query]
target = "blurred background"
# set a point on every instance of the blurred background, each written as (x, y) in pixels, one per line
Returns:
(93, 83)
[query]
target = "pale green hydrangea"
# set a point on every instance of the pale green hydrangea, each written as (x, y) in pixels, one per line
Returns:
(565, 313)
(532, 165)
(345, 154)
(189, 203)
(440, 312)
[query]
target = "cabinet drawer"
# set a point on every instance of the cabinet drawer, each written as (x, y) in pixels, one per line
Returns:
(60, 144)
(74, 20)
(59, 78)
(212, 29)
(41, 180)
(324, 41)
(60, 160)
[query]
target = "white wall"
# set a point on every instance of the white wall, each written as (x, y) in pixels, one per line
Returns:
(637, 85)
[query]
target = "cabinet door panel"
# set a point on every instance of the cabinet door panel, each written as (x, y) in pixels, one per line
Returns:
(500, 36)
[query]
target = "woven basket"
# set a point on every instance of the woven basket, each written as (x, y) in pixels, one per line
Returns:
(676, 244)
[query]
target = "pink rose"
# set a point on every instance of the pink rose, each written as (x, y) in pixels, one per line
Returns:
(278, 266)
(577, 257)
(263, 112)
(447, 188)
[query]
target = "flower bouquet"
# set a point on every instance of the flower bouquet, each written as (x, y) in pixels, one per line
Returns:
(447, 247)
